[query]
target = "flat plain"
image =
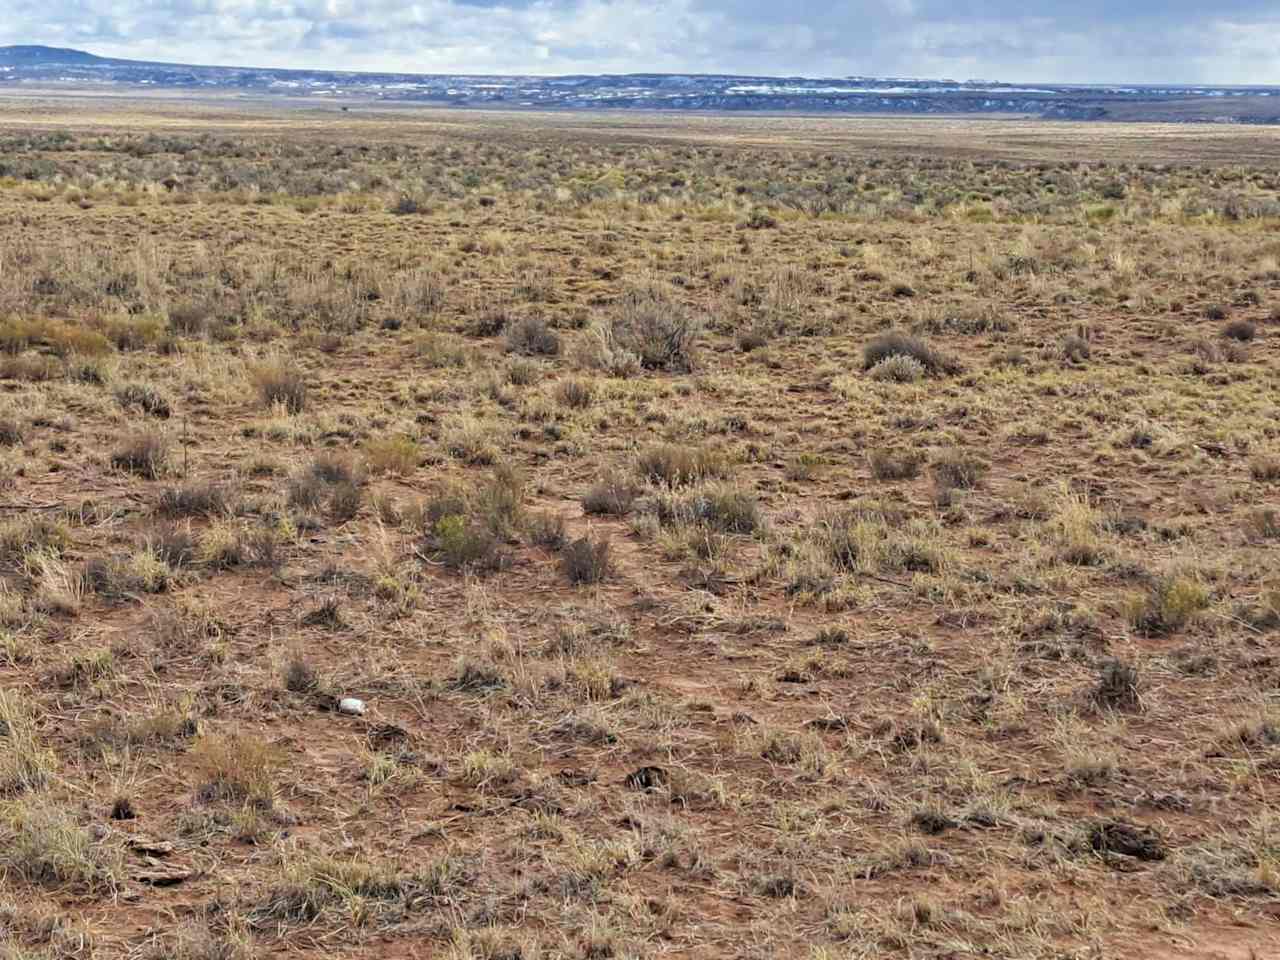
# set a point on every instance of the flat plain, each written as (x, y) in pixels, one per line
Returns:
(746, 537)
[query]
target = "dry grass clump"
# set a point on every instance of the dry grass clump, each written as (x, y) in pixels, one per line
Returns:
(472, 440)
(72, 339)
(279, 382)
(575, 394)
(722, 507)
(191, 318)
(1263, 523)
(397, 455)
(42, 844)
(29, 368)
(674, 465)
(1265, 468)
(1117, 686)
(24, 763)
(1233, 865)
(1077, 528)
(440, 351)
(143, 571)
(521, 372)
(500, 502)
(375, 893)
(55, 586)
(1075, 348)
(197, 500)
(193, 940)
(957, 470)
(226, 545)
(413, 295)
(333, 483)
(236, 768)
(1170, 605)
(465, 544)
(468, 532)
(146, 454)
(32, 534)
(300, 674)
(11, 430)
(895, 465)
(172, 544)
(547, 530)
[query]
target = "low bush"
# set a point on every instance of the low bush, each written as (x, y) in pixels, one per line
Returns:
(1240, 330)
(586, 561)
(533, 337)
(466, 545)
(895, 343)
(649, 329)
(612, 496)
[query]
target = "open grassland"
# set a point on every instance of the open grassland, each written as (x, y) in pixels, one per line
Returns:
(750, 539)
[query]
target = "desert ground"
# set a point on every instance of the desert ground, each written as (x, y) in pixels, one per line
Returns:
(745, 537)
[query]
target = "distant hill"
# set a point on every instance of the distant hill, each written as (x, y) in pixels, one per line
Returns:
(670, 92)
(26, 56)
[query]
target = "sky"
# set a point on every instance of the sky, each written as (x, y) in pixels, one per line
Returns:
(1064, 41)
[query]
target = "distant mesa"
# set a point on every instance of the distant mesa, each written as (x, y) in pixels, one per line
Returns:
(34, 55)
(883, 96)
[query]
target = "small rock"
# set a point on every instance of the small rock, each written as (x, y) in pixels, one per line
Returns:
(351, 706)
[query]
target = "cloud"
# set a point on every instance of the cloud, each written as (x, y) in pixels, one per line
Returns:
(1082, 41)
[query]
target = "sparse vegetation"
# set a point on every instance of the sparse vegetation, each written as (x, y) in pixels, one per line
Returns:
(648, 539)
